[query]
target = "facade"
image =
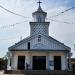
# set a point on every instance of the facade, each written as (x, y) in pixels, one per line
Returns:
(39, 51)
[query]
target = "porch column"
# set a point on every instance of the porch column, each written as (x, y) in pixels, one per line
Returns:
(8, 65)
(9, 61)
(47, 60)
(69, 62)
(66, 61)
(28, 60)
(51, 62)
(15, 63)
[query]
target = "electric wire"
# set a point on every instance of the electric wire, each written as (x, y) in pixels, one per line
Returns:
(62, 12)
(12, 12)
(12, 25)
(60, 21)
(50, 17)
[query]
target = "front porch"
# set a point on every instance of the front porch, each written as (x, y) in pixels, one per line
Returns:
(38, 60)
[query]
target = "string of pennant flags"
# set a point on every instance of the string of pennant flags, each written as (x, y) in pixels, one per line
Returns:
(54, 20)
(50, 18)
(12, 25)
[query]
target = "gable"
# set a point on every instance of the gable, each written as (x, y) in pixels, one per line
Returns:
(47, 43)
(39, 46)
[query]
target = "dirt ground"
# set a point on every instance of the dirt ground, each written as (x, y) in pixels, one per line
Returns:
(2, 73)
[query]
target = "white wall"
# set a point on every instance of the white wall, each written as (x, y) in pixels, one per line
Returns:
(49, 57)
(28, 58)
(63, 59)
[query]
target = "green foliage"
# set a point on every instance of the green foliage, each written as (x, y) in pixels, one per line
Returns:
(3, 63)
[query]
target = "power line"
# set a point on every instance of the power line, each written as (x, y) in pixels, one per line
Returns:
(61, 21)
(51, 18)
(12, 12)
(63, 12)
(12, 25)
(28, 17)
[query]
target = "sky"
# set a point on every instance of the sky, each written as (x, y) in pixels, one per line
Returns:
(62, 27)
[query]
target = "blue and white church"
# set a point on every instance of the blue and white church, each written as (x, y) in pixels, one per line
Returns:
(39, 51)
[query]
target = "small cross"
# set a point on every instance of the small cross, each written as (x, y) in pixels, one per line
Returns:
(39, 2)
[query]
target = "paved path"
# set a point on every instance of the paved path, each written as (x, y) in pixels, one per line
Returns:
(2, 73)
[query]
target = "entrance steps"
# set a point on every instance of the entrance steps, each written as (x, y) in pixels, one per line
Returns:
(14, 71)
(39, 72)
(47, 72)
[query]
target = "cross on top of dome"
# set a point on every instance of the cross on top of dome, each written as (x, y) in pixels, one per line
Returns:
(39, 10)
(39, 2)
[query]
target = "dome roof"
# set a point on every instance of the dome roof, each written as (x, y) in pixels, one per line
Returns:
(39, 10)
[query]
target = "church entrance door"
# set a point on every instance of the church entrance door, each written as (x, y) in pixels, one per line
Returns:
(39, 62)
(57, 62)
(21, 62)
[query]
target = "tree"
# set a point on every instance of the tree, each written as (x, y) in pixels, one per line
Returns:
(3, 63)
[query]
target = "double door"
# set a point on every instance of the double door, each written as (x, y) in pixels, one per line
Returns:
(21, 62)
(57, 62)
(39, 62)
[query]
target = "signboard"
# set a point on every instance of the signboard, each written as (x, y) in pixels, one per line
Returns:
(51, 63)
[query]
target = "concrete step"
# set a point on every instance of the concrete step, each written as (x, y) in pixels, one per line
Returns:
(47, 72)
(14, 71)
(39, 72)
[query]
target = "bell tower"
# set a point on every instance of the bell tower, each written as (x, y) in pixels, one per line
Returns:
(39, 15)
(39, 26)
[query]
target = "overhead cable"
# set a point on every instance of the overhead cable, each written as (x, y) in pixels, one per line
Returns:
(61, 21)
(12, 12)
(62, 12)
(12, 25)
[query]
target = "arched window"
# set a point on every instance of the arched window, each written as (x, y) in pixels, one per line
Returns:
(39, 19)
(39, 38)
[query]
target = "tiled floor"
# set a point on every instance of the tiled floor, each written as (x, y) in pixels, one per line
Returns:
(2, 73)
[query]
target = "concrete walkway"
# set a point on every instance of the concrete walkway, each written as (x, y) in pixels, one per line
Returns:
(2, 73)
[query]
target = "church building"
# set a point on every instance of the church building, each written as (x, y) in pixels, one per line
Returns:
(39, 51)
